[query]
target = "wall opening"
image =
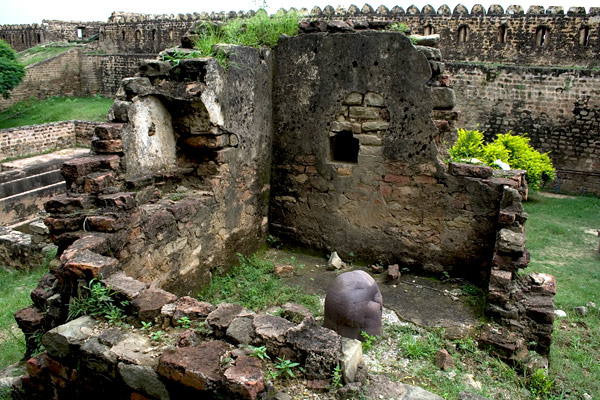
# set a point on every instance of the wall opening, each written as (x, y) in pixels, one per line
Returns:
(80, 33)
(428, 30)
(22, 38)
(171, 34)
(153, 34)
(138, 34)
(344, 147)
(463, 34)
(502, 32)
(542, 34)
(39, 38)
(123, 35)
(584, 36)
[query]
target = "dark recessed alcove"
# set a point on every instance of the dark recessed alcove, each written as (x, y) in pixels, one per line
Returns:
(344, 147)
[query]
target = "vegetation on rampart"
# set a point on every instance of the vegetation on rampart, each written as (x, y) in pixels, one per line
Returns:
(11, 71)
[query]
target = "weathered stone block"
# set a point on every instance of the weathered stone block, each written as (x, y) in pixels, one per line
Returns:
(363, 112)
(152, 68)
(65, 204)
(353, 99)
(88, 265)
(374, 99)
(352, 358)
(95, 243)
(118, 112)
(189, 307)
(319, 346)
(64, 340)
(475, 171)
(109, 131)
(443, 360)
(375, 126)
(97, 358)
(511, 242)
(500, 278)
(245, 380)
(112, 146)
(133, 348)
(123, 200)
(295, 312)
(194, 367)
(126, 286)
(443, 98)
(143, 378)
(137, 86)
(220, 318)
(148, 304)
(241, 330)
(30, 319)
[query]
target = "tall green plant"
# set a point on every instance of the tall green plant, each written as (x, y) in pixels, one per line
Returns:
(11, 71)
(468, 145)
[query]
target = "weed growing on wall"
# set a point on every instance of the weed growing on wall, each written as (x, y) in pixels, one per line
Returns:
(259, 31)
(97, 300)
(514, 150)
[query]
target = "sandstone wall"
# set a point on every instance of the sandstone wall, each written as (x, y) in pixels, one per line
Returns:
(395, 202)
(557, 107)
(35, 139)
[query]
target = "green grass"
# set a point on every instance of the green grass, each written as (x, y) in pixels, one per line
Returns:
(253, 285)
(562, 240)
(15, 287)
(42, 52)
(258, 31)
(52, 109)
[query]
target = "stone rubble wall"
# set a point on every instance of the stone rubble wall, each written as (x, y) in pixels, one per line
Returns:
(36, 139)
(198, 163)
(78, 72)
(556, 107)
(24, 36)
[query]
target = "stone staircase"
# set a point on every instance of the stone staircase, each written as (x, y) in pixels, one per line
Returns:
(26, 184)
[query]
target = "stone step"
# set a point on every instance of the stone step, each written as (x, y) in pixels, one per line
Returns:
(77, 169)
(22, 206)
(25, 184)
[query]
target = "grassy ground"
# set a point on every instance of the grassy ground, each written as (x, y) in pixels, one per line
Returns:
(34, 111)
(563, 240)
(42, 52)
(15, 287)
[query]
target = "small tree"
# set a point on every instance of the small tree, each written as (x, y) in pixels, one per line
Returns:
(11, 71)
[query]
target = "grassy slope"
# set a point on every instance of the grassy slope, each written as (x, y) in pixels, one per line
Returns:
(562, 239)
(34, 111)
(15, 287)
(41, 53)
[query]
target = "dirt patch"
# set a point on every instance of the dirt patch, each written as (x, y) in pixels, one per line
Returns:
(556, 195)
(426, 302)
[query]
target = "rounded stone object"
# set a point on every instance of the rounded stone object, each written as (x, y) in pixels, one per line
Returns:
(353, 304)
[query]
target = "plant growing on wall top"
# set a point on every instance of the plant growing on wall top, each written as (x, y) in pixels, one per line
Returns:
(514, 150)
(11, 71)
(259, 31)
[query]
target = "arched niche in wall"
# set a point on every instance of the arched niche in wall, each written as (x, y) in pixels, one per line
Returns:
(428, 30)
(138, 34)
(463, 34)
(123, 34)
(542, 36)
(361, 120)
(502, 33)
(583, 38)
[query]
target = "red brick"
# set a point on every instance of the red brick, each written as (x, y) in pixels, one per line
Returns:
(396, 179)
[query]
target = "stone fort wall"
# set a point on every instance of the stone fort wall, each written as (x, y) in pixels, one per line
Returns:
(555, 105)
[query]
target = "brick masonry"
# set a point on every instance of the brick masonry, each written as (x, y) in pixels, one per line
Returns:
(36, 139)
(556, 107)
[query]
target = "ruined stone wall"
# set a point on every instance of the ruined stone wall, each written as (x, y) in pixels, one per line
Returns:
(358, 162)
(56, 76)
(181, 184)
(557, 107)
(24, 36)
(114, 68)
(36, 139)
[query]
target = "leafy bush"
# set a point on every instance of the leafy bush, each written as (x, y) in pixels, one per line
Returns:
(11, 71)
(514, 150)
(468, 145)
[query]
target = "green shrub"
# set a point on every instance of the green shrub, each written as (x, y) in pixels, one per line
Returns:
(514, 150)
(468, 145)
(11, 70)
